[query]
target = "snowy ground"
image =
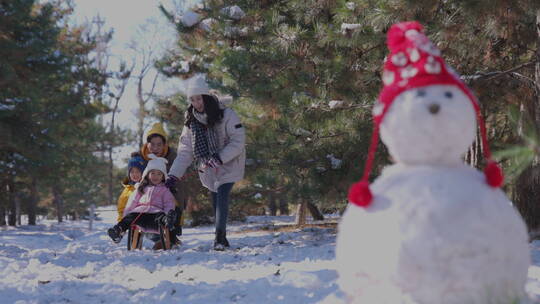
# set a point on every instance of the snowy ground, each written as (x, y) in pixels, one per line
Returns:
(66, 263)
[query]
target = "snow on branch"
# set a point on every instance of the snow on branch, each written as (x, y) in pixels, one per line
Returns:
(234, 12)
(496, 74)
(188, 19)
(207, 24)
(347, 28)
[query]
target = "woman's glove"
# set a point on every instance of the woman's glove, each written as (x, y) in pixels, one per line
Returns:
(214, 161)
(170, 183)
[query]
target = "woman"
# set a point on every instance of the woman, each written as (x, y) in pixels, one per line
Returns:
(214, 138)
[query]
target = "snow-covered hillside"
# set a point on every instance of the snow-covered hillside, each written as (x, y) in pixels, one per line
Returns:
(66, 263)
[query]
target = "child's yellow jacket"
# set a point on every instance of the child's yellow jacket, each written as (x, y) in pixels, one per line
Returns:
(122, 200)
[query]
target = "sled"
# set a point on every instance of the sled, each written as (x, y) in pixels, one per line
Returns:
(135, 237)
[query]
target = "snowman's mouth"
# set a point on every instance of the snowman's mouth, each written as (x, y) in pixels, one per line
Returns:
(434, 108)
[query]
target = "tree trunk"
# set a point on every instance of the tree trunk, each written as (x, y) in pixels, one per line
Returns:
(272, 204)
(475, 150)
(2, 215)
(3, 204)
(117, 98)
(536, 104)
(527, 197)
(283, 206)
(32, 202)
(315, 213)
(527, 193)
(58, 202)
(300, 214)
(18, 208)
(141, 113)
(12, 209)
(110, 193)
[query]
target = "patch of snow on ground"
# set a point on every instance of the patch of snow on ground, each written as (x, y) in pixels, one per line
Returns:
(66, 263)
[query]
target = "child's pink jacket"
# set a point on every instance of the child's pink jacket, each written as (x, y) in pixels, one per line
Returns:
(155, 199)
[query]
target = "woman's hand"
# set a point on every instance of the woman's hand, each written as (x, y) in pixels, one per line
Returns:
(214, 161)
(170, 183)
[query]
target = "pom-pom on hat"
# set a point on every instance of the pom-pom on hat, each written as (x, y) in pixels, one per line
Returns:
(415, 62)
(155, 163)
(197, 86)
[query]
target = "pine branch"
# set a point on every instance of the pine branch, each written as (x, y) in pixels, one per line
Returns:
(495, 74)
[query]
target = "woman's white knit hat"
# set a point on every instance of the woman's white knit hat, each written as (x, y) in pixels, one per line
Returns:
(155, 163)
(197, 86)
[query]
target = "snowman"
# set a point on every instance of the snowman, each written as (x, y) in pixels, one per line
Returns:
(430, 229)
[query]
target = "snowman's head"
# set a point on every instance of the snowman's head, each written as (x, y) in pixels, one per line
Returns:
(425, 113)
(431, 125)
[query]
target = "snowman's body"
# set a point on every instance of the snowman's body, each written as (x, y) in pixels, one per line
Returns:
(435, 232)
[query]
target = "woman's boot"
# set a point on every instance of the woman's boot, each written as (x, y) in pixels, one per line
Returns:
(221, 242)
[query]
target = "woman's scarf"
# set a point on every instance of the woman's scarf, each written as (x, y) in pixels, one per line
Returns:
(205, 139)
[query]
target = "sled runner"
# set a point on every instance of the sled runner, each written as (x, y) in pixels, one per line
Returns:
(135, 237)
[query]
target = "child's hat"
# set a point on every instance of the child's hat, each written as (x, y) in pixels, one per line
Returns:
(156, 163)
(415, 62)
(156, 129)
(136, 161)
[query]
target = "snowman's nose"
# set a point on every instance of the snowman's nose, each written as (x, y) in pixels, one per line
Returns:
(434, 108)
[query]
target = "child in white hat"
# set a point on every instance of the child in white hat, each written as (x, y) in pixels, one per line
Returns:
(151, 204)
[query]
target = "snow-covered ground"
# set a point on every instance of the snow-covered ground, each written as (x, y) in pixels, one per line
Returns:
(67, 263)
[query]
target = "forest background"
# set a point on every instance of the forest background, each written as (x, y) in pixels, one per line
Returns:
(303, 76)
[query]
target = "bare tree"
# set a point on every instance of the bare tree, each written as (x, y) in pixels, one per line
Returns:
(146, 48)
(121, 79)
(102, 57)
(110, 94)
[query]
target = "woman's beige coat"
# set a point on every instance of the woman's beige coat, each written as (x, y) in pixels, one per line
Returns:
(232, 139)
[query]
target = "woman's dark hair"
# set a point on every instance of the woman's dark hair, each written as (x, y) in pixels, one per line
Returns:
(211, 108)
(145, 183)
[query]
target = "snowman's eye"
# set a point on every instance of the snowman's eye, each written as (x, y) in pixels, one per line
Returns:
(421, 93)
(448, 94)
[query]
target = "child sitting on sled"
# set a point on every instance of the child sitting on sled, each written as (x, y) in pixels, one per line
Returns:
(152, 203)
(136, 166)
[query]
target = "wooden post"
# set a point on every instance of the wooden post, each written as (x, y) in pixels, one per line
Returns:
(91, 219)
(301, 214)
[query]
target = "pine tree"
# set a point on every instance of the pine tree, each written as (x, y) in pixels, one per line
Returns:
(286, 62)
(305, 75)
(46, 113)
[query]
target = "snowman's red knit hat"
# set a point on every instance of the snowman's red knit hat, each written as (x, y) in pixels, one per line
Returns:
(415, 62)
